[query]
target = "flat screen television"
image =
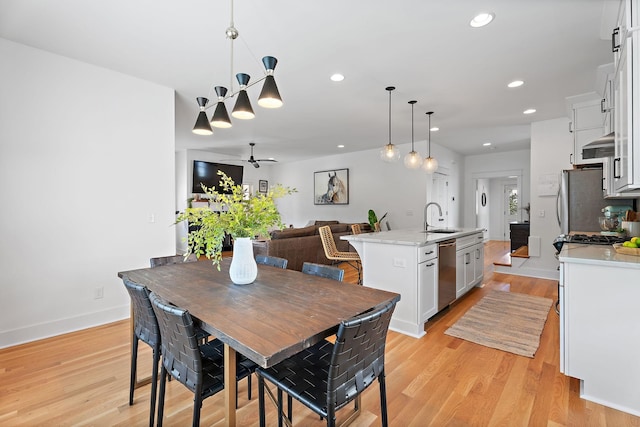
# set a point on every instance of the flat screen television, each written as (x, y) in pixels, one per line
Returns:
(207, 174)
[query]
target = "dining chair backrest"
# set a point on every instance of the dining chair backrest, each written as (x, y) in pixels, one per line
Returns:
(273, 261)
(357, 358)
(180, 350)
(329, 245)
(145, 323)
(322, 270)
(173, 259)
(355, 229)
(144, 328)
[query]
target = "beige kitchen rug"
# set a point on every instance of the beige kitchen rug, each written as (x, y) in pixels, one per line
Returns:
(506, 321)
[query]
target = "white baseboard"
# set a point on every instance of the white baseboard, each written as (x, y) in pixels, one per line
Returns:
(62, 326)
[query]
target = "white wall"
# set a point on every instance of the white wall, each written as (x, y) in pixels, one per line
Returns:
(551, 145)
(483, 185)
(86, 159)
(373, 184)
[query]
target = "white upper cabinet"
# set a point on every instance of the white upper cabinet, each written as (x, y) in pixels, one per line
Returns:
(587, 124)
(626, 162)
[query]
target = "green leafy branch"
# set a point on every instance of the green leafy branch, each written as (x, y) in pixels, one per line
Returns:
(237, 216)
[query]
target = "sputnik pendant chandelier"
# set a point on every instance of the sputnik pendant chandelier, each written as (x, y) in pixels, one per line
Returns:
(269, 96)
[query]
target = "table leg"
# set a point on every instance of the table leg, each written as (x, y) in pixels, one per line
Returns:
(230, 386)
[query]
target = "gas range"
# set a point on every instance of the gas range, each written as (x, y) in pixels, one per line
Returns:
(586, 239)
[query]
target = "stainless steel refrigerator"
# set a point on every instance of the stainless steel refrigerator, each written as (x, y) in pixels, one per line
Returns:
(580, 200)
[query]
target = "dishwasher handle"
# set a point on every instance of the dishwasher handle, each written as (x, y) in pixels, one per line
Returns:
(447, 243)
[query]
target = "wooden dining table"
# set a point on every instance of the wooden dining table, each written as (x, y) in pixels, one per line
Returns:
(277, 316)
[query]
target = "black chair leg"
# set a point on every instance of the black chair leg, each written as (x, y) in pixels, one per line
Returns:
(154, 385)
(249, 387)
(279, 408)
(197, 405)
(134, 359)
(261, 400)
(163, 382)
(383, 399)
(290, 408)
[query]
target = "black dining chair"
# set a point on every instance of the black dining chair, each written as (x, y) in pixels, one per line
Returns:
(179, 259)
(145, 329)
(199, 367)
(273, 261)
(322, 270)
(172, 259)
(326, 376)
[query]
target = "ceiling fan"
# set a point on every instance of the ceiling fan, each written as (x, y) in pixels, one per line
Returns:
(255, 162)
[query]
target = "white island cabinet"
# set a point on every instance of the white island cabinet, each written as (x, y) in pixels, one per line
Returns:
(600, 324)
(406, 262)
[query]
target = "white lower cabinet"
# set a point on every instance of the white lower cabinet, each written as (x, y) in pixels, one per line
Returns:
(428, 283)
(479, 264)
(599, 334)
(469, 263)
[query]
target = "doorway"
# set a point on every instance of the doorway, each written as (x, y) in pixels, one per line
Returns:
(440, 195)
(510, 207)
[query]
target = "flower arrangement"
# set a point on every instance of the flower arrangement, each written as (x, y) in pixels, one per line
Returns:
(239, 216)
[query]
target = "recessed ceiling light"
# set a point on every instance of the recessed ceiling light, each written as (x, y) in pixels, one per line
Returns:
(515, 83)
(481, 19)
(486, 144)
(435, 129)
(529, 111)
(337, 77)
(340, 146)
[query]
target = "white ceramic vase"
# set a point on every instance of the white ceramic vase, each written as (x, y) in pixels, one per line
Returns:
(243, 269)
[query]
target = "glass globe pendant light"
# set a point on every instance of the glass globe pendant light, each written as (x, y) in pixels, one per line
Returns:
(430, 164)
(413, 159)
(389, 153)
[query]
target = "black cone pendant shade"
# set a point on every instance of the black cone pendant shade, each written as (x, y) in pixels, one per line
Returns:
(220, 117)
(242, 109)
(270, 96)
(202, 126)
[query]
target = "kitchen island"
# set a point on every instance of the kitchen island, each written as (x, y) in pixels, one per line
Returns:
(599, 304)
(407, 262)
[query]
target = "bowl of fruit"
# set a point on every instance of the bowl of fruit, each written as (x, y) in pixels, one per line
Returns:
(629, 247)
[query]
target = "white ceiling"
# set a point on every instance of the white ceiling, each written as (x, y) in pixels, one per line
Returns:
(424, 48)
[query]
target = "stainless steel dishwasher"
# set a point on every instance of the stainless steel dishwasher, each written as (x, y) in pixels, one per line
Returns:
(446, 273)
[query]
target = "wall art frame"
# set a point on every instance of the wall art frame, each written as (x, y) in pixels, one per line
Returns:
(331, 187)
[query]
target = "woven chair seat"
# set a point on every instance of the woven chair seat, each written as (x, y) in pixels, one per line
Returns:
(332, 253)
(344, 256)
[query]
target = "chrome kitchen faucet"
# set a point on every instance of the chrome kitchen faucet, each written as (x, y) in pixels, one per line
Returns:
(426, 223)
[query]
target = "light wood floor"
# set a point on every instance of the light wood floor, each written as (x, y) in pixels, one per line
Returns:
(82, 379)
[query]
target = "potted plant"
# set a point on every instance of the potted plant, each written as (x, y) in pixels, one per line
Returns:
(373, 220)
(241, 217)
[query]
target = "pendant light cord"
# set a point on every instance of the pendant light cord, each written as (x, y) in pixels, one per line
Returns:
(389, 114)
(412, 149)
(231, 50)
(429, 153)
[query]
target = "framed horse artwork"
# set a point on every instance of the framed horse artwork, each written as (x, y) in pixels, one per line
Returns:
(331, 187)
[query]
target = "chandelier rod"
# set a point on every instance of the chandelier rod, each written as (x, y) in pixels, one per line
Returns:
(232, 94)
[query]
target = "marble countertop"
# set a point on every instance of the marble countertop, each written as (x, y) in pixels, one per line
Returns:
(604, 255)
(409, 236)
